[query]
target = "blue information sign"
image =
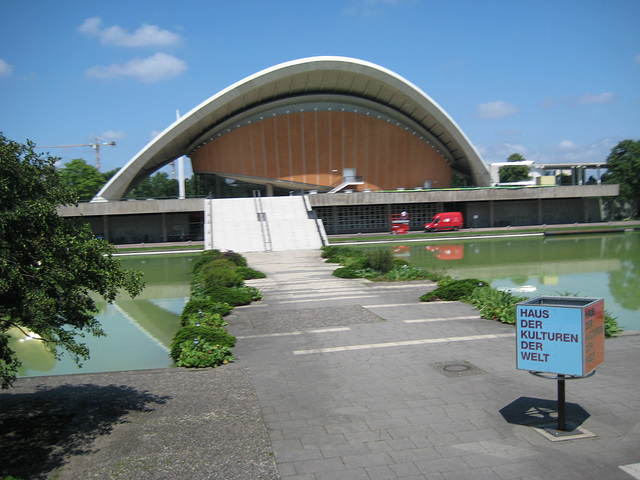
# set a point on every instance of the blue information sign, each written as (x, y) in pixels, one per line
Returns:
(561, 338)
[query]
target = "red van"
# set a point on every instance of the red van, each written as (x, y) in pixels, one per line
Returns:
(445, 221)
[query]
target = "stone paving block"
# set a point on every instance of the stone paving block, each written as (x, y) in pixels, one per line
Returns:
(380, 472)
(414, 455)
(366, 460)
(319, 466)
(299, 454)
(442, 465)
(353, 473)
(347, 449)
(476, 474)
(390, 445)
(324, 440)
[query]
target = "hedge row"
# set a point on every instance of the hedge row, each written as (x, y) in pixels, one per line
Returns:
(217, 286)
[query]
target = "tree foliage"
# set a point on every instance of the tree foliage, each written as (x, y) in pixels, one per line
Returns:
(514, 173)
(83, 178)
(156, 186)
(623, 167)
(48, 264)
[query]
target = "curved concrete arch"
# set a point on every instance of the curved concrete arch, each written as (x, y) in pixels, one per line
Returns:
(303, 78)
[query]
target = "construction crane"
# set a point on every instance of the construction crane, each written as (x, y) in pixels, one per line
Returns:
(95, 145)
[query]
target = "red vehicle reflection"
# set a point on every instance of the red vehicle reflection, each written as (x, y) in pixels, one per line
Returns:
(447, 252)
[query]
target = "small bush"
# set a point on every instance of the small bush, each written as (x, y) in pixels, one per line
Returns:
(344, 255)
(380, 259)
(345, 272)
(456, 290)
(205, 354)
(193, 306)
(215, 336)
(495, 304)
(611, 328)
(204, 258)
(234, 296)
(221, 272)
(236, 258)
(203, 318)
(248, 273)
(403, 273)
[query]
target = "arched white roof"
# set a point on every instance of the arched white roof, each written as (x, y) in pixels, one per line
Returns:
(314, 76)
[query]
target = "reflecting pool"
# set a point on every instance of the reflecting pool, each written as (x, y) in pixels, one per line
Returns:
(591, 265)
(139, 330)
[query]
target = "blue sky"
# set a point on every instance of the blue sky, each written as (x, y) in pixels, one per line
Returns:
(553, 80)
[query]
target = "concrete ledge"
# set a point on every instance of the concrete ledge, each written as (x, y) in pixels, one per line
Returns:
(133, 207)
(465, 195)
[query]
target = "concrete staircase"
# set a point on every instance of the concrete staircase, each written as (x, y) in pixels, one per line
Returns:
(262, 224)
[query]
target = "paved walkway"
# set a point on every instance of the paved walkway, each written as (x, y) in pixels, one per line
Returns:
(333, 379)
(360, 380)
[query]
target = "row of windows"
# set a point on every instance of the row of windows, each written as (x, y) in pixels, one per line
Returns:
(372, 218)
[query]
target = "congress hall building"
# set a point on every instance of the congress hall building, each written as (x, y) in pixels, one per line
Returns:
(357, 140)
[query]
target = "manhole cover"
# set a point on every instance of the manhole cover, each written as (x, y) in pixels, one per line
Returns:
(457, 369)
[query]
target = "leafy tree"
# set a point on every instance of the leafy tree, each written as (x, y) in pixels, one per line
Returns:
(514, 173)
(156, 186)
(623, 167)
(107, 175)
(48, 264)
(84, 179)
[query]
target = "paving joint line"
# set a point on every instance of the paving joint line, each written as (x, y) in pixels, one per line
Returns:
(298, 332)
(403, 343)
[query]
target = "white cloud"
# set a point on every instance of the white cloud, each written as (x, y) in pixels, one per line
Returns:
(567, 145)
(5, 68)
(144, 36)
(112, 135)
(148, 70)
(497, 109)
(587, 98)
(501, 152)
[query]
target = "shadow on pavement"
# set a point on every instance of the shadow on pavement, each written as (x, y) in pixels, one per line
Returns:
(530, 411)
(39, 430)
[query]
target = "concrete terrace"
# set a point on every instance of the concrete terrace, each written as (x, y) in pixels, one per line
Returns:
(341, 379)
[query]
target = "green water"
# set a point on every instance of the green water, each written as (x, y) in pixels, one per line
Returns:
(600, 266)
(139, 330)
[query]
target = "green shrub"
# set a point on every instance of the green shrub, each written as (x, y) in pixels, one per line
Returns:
(221, 272)
(399, 262)
(234, 296)
(343, 255)
(205, 318)
(611, 328)
(456, 290)
(248, 273)
(193, 306)
(380, 259)
(215, 336)
(357, 263)
(204, 258)
(403, 273)
(205, 354)
(495, 304)
(235, 258)
(345, 272)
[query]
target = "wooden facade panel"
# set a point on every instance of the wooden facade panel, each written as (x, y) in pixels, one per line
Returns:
(295, 139)
(282, 139)
(270, 150)
(325, 176)
(306, 147)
